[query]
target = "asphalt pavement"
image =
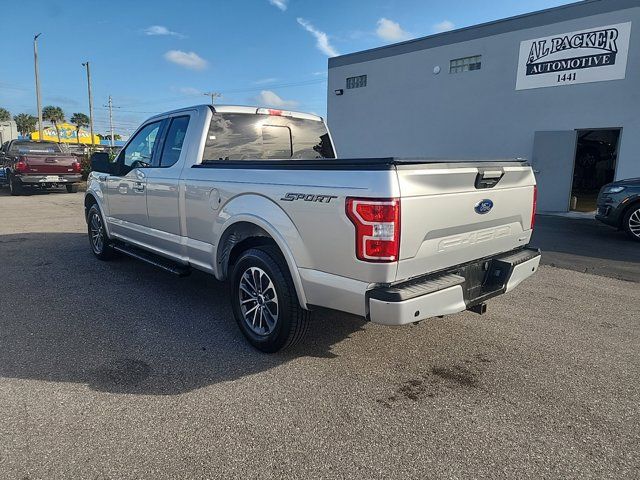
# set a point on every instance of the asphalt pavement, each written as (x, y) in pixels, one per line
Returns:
(115, 370)
(586, 245)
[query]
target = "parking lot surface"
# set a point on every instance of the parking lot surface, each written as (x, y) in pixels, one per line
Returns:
(586, 245)
(117, 370)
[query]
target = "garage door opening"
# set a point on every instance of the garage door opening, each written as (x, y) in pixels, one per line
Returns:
(595, 166)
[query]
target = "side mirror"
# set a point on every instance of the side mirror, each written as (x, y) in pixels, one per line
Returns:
(100, 163)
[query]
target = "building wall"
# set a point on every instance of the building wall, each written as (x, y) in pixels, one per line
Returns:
(407, 110)
(8, 131)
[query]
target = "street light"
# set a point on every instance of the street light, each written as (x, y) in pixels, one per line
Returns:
(38, 98)
(86, 65)
(213, 95)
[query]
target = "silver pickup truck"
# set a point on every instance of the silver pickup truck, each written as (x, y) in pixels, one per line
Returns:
(257, 197)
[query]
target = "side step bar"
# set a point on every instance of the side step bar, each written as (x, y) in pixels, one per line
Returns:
(152, 259)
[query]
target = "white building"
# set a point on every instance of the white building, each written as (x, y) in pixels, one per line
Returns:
(560, 87)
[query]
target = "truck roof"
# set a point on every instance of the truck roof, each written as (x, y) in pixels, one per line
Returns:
(246, 109)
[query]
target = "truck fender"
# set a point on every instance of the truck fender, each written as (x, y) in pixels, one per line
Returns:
(94, 194)
(268, 216)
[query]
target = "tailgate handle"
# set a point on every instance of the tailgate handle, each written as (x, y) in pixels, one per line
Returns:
(489, 177)
(50, 160)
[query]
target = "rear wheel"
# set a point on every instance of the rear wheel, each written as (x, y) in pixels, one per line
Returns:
(15, 186)
(98, 238)
(72, 188)
(264, 300)
(631, 222)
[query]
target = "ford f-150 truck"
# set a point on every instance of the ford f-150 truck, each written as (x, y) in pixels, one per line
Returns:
(257, 197)
(24, 163)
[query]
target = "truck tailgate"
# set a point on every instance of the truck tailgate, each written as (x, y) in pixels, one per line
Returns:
(49, 164)
(455, 213)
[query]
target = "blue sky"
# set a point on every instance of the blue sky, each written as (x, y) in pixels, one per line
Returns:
(155, 56)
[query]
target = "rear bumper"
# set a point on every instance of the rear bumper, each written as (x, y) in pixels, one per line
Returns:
(452, 291)
(49, 179)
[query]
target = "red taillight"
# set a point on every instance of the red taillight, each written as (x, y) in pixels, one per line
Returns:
(77, 168)
(377, 223)
(535, 206)
(21, 166)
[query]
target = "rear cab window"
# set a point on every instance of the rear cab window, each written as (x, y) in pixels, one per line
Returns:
(247, 136)
(34, 148)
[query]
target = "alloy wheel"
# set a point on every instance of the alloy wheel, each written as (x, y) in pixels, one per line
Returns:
(97, 233)
(634, 223)
(258, 301)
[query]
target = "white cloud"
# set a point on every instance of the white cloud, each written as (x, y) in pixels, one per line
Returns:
(161, 30)
(271, 99)
(189, 60)
(391, 31)
(264, 81)
(322, 39)
(190, 91)
(444, 26)
(281, 4)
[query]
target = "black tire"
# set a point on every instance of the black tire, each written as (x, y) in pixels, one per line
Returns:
(291, 321)
(72, 188)
(15, 186)
(95, 226)
(631, 222)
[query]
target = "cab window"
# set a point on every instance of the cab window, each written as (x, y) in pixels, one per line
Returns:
(174, 140)
(139, 151)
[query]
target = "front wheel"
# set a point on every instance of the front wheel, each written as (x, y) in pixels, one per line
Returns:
(98, 238)
(264, 301)
(631, 222)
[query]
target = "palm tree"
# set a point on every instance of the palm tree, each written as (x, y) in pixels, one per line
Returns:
(54, 115)
(5, 116)
(79, 120)
(25, 123)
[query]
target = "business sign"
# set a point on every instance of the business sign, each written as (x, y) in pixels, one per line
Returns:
(68, 134)
(593, 55)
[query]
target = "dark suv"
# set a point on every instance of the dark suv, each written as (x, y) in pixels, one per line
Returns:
(619, 206)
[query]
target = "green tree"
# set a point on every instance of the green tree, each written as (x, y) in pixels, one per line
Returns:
(107, 136)
(25, 123)
(54, 115)
(5, 116)
(79, 120)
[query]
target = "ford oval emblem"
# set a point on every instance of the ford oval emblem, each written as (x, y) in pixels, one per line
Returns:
(483, 206)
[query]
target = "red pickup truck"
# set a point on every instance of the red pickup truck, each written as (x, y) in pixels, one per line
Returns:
(28, 164)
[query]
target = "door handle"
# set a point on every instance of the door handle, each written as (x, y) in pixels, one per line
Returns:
(138, 187)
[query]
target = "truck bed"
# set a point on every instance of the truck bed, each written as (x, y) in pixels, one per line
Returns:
(382, 163)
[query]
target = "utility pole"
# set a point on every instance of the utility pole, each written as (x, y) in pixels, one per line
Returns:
(86, 64)
(213, 96)
(38, 98)
(110, 105)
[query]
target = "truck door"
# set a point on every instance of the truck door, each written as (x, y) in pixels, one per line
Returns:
(163, 185)
(127, 194)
